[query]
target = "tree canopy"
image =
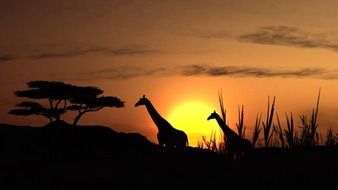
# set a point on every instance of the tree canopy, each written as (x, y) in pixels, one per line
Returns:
(62, 97)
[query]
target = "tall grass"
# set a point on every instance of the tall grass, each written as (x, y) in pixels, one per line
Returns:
(210, 144)
(224, 145)
(331, 138)
(267, 125)
(290, 133)
(309, 135)
(279, 132)
(213, 143)
(257, 130)
(240, 125)
(272, 132)
(221, 106)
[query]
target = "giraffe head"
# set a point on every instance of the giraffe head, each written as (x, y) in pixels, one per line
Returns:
(142, 101)
(213, 115)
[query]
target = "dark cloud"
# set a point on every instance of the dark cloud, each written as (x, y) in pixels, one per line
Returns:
(51, 54)
(6, 57)
(122, 73)
(128, 72)
(206, 70)
(231, 71)
(101, 50)
(289, 36)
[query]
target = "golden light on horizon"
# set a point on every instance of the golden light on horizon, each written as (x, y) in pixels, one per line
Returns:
(191, 117)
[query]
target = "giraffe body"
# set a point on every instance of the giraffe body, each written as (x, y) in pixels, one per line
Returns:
(167, 135)
(236, 145)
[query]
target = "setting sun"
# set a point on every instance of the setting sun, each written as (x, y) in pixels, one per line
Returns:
(116, 94)
(191, 117)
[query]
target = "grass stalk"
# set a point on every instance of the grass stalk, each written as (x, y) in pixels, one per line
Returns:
(331, 138)
(309, 135)
(290, 133)
(267, 125)
(240, 125)
(279, 132)
(221, 105)
(257, 130)
(210, 144)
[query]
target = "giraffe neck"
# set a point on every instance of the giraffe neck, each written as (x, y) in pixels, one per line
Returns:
(226, 130)
(155, 116)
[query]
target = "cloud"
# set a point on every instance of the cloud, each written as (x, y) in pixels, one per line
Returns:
(289, 36)
(78, 52)
(128, 72)
(85, 51)
(123, 73)
(6, 57)
(232, 71)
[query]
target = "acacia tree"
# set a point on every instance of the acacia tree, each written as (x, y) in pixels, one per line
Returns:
(89, 99)
(56, 94)
(91, 104)
(61, 98)
(34, 108)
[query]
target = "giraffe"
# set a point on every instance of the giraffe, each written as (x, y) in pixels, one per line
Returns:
(237, 145)
(167, 135)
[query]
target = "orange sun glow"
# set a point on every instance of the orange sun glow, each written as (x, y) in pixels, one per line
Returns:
(191, 117)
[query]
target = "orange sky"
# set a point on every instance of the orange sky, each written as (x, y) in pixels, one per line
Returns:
(175, 52)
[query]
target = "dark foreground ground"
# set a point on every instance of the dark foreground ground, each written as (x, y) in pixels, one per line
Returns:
(92, 157)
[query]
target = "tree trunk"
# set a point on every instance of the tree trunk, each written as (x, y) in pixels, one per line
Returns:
(77, 118)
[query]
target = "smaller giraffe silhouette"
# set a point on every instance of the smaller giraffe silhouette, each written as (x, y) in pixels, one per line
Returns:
(237, 146)
(167, 135)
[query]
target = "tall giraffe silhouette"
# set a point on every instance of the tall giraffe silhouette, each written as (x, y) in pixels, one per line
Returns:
(236, 145)
(167, 135)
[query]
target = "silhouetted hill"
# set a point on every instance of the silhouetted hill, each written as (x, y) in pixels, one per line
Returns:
(62, 141)
(61, 156)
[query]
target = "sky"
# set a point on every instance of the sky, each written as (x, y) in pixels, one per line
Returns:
(180, 54)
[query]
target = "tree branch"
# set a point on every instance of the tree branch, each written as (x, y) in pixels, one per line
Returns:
(65, 104)
(50, 103)
(97, 109)
(57, 103)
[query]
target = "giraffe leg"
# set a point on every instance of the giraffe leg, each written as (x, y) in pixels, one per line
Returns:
(184, 139)
(160, 139)
(180, 139)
